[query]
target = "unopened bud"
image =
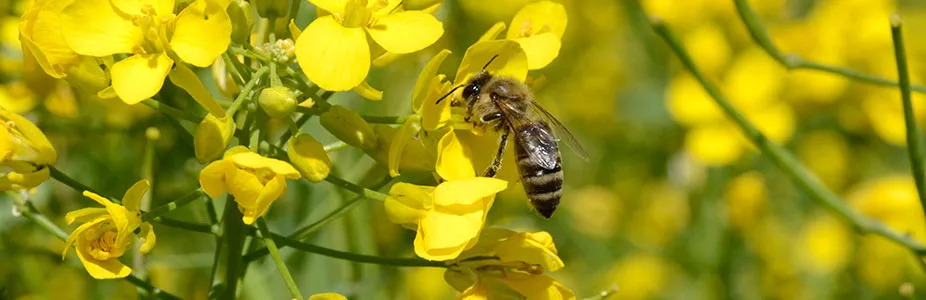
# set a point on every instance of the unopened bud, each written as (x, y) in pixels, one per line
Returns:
(309, 157)
(242, 20)
(211, 137)
(272, 9)
(349, 127)
(399, 150)
(278, 101)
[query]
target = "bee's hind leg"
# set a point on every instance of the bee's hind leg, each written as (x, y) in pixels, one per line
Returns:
(502, 145)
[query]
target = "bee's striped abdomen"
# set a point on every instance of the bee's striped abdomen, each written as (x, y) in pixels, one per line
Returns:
(544, 186)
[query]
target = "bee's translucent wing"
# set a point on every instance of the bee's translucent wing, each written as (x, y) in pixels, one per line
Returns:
(561, 133)
(535, 138)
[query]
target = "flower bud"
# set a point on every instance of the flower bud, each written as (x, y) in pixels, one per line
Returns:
(24, 153)
(242, 20)
(278, 101)
(272, 9)
(396, 148)
(88, 76)
(309, 157)
(348, 126)
(211, 137)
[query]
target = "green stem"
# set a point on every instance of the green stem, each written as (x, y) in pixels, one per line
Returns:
(236, 68)
(914, 145)
(171, 111)
(385, 119)
(792, 61)
(386, 261)
(31, 213)
(77, 186)
(336, 146)
(781, 157)
(233, 234)
(246, 91)
(278, 259)
(359, 190)
(170, 206)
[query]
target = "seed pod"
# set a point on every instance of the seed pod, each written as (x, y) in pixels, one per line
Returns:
(309, 157)
(211, 137)
(242, 20)
(278, 101)
(349, 127)
(272, 9)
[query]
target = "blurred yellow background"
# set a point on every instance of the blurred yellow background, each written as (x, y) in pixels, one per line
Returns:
(674, 202)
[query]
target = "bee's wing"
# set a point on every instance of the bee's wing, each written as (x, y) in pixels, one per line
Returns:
(537, 141)
(561, 133)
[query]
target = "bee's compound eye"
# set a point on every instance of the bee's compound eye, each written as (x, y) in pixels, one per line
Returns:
(470, 90)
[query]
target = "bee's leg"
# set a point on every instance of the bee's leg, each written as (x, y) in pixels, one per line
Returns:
(502, 144)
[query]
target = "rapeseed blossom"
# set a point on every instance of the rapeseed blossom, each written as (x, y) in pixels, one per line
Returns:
(106, 233)
(25, 153)
(255, 181)
(151, 33)
(333, 50)
(538, 27)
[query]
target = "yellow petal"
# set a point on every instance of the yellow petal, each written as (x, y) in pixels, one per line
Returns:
(405, 134)
(140, 77)
(246, 188)
(102, 269)
(37, 140)
(162, 8)
(331, 6)
(407, 202)
(309, 157)
(540, 49)
(454, 161)
(427, 75)
(83, 214)
(386, 59)
(294, 30)
(148, 238)
(476, 292)
(6, 144)
(538, 287)
(406, 31)
(435, 115)
(236, 150)
(211, 137)
(539, 17)
(532, 249)
(368, 92)
(271, 192)
(715, 145)
(212, 178)
(511, 61)
(134, 194)
(444, 236)
(493, 32)
(40, 32)
(108, 33)
(99, 199)
(327, 296)
(467, 191)
(253, 160)
(184, 78)
(203, 32)
(334, 57)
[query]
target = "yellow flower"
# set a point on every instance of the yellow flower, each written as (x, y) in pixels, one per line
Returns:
(211, 137)
(309, 157)
(107, 232)
(254, 180)
(447, 217)
(333, 50)
(24, 153)
(538, 27)
(515, 270)
(42, 40)
(151, 33)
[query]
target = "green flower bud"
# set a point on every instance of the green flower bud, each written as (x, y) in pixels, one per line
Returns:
(349, 127)
(309, 157)
(272, 9)
(242, 20)
(211, 137)
(278, 101)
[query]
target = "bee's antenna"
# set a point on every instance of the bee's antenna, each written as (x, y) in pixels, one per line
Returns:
(448, 94)
(490, 61)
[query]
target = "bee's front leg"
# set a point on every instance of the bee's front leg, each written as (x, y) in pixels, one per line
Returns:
(502, 145)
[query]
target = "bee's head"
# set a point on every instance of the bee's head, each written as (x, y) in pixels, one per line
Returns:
(475, 84)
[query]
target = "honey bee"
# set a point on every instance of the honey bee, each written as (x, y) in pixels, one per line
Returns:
(507, 105)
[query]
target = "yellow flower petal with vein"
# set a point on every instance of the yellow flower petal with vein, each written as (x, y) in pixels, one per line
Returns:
(406, 32)
(427, 75)
(40, 31)
(83, 214)
(334, 57)
(79, 230)
(140, 77)
(537, 17)
(212, 178)
(102, 269)
(148, 238)
(444, 236)
(107, 34)
(331, 6)
(540, 49)
(538, 287)
(203, 32)
(163, 8)
(256, 161)
(133, 195)
(467, 191)
(454, 160)
(246, 188)
(511, 61)
(187, 80)
(273, 190)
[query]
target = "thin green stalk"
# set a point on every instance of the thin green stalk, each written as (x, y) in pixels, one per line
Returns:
(304, 118)
(246, 91)
(171, 111)
(32, 214)
(914, 145)
(233, 234)
(278, 259)
(74, 184)
(385, 119)
(792, 61)
(369, 259)
(170, 206)
(336, 146)
(237, 69)
(359, 190)
(781, 157)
